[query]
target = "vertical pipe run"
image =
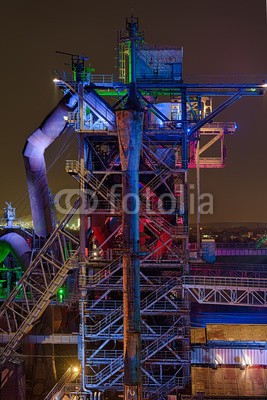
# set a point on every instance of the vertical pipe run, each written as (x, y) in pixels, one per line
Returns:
(185, 178)
(132, 28)
(198, 181)
(186, 270)
(81, 163)
(198, 199)
(130, 125)
(184, 132)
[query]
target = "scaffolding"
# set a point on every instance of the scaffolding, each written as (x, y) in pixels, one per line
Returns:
(135, 278)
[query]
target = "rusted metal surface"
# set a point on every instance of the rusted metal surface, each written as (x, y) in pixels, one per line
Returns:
(198, 335)
(232, 332)
(224, 381)
(130, 125)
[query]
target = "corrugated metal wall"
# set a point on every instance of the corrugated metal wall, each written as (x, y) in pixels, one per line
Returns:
(228, 356)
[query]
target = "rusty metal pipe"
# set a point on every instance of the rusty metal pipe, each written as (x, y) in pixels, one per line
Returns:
(129, 126)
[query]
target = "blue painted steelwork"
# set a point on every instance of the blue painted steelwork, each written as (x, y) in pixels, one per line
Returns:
(142, 84)
(130, 126)
(166, 251)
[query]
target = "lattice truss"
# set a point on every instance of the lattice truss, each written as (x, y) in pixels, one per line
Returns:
(227, 290)
(38, 285)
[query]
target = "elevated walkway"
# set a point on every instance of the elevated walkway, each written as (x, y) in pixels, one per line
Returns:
(43, 339)
(227, 290)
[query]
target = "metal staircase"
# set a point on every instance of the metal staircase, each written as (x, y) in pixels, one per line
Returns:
(116, 365)
(148, 302)
(163, 225)
(153, 218)
(38, 285)
(73, 168)
(104, 274)
(163, 297)
(58, 391)
(175, 382)
(164, 309)
(162, 341)
(154, 183)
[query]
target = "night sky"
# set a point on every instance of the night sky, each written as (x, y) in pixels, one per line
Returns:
(219, 38)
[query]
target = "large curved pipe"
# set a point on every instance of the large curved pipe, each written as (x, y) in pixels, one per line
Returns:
(17, 245)
(33, 154)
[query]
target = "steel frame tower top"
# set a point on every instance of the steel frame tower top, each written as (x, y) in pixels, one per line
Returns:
(149, 72)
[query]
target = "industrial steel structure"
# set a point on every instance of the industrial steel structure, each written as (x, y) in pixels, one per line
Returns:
(138, 137)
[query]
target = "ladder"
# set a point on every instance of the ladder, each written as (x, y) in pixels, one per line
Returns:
(38, 285)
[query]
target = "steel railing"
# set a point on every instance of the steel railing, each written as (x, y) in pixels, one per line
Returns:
(253, 284)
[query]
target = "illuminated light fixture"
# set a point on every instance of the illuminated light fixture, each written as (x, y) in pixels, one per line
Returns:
(243, 365)
(75, 369)
(61, 293)
(65, 118)
(265, 85)
(247, 361)
(55, 80)
(218, 359)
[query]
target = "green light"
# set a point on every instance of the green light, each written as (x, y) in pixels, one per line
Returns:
(61, 293)
(129, 62)
(74, 74)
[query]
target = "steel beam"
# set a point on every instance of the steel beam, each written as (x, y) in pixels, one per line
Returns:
(227, 290)
(130, 126)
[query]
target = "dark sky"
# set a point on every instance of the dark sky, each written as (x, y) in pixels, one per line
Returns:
(219, 37)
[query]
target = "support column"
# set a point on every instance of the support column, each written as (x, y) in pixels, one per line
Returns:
(130, 126)
(81, 163)
(83, 227)
(185, 157)
(198, 201)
